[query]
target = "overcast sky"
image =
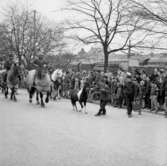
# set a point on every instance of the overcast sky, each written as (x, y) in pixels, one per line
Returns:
(50, 8)
(53, 9)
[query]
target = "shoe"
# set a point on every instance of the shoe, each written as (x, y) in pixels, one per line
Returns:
(97, 114)
(129, 115)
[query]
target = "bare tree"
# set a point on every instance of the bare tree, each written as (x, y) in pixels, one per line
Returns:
(154, 11)
(104, 22)
(5, 42)
(29, 36)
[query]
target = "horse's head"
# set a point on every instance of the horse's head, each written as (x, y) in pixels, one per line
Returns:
(16, 70)
(41, 73)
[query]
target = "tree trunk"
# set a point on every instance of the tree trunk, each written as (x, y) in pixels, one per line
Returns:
(105, 50)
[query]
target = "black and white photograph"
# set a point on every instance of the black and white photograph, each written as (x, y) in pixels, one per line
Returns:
(83, 82)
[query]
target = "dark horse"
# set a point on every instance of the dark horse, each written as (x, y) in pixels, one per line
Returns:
(38, 81)
(80, 96)
(12, 81)
(3, 80)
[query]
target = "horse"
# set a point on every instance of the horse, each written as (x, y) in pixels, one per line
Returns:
(81, 96)
(12, 81)
(3, 80)
(56, 86)
(38, 81)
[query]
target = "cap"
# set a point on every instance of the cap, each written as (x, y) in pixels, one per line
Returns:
(128, 75)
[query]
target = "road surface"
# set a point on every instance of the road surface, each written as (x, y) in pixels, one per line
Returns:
(58, 136)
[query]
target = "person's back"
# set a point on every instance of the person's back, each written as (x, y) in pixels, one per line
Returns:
(129, 92)
(104, 89)
(129, 89)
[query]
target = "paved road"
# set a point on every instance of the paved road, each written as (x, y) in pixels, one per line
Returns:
(58, 136)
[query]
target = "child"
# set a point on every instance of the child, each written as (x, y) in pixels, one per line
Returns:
(119, 94)
(153, 96)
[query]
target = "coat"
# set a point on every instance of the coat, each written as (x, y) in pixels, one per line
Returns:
(104, 91)
(129, 90)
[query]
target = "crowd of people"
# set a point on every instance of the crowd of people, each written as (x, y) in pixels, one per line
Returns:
(137, 90)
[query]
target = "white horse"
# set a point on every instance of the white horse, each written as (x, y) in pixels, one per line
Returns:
(38, 81)
(56, 86)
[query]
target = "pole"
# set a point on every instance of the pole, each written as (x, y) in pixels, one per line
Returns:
(129, 52)
(34, 44)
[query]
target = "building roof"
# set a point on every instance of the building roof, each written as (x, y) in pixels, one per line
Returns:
(158, 60)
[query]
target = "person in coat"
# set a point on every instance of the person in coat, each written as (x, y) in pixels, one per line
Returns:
(129, 92)
(104, 90)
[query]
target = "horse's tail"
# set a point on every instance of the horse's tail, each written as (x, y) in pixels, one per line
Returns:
(73, 97)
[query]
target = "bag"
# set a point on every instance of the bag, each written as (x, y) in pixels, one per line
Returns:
(137, 105)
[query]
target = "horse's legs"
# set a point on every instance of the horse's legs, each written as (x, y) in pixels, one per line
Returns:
(41, 96)
(47, 97)
(14, 94)
(51, 90)
(30, 97)
(76, 107)
(81, 105)
(58, 93)
(31, 93)
(6, 92)
(37, 97)
(85, 107)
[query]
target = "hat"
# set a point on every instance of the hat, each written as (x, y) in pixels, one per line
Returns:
(161, 70)
(128, 75)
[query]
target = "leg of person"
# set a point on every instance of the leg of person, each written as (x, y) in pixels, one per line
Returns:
(104, 107)
(166, 106)
(152, 104)
(140, 109)
(100, 110)
(156, 104)
(131, 107)
(120, 102)
(127, 105)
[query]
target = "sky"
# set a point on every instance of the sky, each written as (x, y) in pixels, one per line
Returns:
(49, 8)
(52, 9)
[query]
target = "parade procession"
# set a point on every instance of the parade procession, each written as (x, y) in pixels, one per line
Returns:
(137, 91)
(83, 83)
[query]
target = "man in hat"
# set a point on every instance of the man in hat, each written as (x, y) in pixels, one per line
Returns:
(129, 92)
(104, 90)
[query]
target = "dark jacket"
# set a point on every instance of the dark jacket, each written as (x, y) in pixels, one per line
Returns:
(129, 90)
(165, 86)
(104, 91)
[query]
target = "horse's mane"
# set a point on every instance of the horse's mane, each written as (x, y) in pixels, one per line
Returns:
(15, 70)
(41, 73)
